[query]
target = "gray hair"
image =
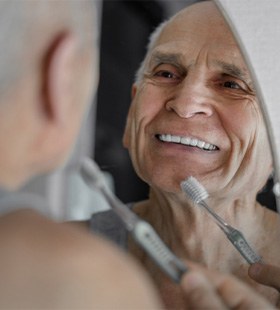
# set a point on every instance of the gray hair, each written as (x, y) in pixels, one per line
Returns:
(154, 37)
(25, 25)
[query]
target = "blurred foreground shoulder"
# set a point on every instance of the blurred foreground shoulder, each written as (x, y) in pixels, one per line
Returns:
(49, 265)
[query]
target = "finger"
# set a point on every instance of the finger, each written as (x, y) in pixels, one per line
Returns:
(265, 274)
(199, 293)
(237, 295)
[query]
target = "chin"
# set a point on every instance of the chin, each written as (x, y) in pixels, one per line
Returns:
(163, 177)
(169, 185)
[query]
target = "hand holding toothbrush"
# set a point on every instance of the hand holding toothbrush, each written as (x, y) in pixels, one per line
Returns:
(266, 274)
(205, 289)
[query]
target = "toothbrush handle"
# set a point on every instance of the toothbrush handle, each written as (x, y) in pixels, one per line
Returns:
(148, 239)
(240, 243)
(144, 234)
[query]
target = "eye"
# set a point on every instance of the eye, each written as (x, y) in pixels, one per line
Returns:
(232, 84)
(166, 74)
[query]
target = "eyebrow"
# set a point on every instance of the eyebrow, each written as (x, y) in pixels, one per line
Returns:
(158, 58)
(234, 70)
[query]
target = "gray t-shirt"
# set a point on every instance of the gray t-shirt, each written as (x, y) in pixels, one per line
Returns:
(109, 225)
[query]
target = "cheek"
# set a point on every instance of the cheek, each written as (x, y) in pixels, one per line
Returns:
(241, 126)
(149, 100)
(263, 146)
(241, 121)
(250, 144)
(148, 104)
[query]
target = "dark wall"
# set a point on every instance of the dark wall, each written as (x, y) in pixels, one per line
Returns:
(126, 26)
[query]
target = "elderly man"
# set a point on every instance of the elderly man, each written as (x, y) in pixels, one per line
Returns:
(49, 51)
(194, 112)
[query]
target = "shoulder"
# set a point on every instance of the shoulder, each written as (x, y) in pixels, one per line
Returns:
(28, 239)
(29, 231)
(38, 239)
(61, 266)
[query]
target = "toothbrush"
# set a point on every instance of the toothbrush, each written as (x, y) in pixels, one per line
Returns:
(198, 194)
(142, 232)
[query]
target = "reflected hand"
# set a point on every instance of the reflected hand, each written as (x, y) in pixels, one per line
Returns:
(267, 275)
(208, 290)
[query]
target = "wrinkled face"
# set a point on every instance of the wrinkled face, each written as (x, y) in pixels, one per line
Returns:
(195, 111)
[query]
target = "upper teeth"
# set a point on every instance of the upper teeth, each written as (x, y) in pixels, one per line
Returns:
(188, 141)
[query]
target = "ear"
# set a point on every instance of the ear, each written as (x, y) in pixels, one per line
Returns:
(59, 77)
(133, 91)
(127, 130)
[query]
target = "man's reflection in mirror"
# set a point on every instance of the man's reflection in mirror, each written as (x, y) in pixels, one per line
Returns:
(194, 112)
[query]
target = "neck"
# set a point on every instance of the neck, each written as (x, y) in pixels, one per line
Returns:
(189, 230)
(194, 237)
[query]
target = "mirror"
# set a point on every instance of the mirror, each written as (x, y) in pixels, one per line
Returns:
(109, 152)
(243, 16)
(255, 25)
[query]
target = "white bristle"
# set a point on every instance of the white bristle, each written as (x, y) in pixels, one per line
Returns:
(194, 190)
(91, 173)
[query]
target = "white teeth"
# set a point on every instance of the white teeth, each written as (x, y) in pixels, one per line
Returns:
(168, 138)
(194, 142)
(175, 139)
(201, 144)
(188, 141)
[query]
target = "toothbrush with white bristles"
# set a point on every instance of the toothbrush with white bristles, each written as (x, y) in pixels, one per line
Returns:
(198, 194)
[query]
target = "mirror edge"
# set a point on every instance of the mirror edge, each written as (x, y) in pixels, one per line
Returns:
(223, 6)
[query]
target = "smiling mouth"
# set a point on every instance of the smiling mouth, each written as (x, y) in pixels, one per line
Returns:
(203, 145)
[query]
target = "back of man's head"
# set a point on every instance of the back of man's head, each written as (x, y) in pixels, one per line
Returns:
(26, 25)
(48, 52)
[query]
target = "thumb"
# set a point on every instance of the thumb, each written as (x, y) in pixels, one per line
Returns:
(265, 274)
(199, 292)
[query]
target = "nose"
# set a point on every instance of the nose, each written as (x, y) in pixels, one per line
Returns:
(192, 98)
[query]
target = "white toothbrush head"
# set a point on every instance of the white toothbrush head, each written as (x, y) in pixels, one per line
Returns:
(194, 190)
